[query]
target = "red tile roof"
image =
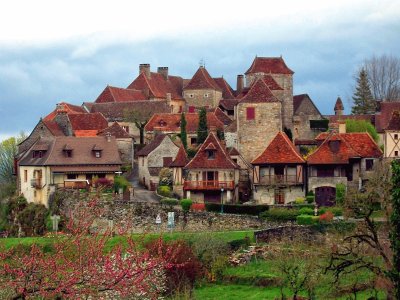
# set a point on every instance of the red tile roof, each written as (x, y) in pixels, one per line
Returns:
(221, 160)
(258, 93)
(181, 159)
(274, 65)
(233, 151)
(394, 123)
(223, 117)
(227, 91)
(88, 121)
(382, 118)
(146, 150)
(66, 107)
(280, 151)
(116, 131)
(85, 133)
(228, 104)
(114, 94)
(158, 86)
(202, 80)
(53, 127)
(268, 80)
(351, 145)
(171, 122)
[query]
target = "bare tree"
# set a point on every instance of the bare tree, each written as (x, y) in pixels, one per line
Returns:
(384, 77)
(139, 118)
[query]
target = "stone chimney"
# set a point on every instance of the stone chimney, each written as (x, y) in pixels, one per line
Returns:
(239, 84)
(145, 68)
(168, 98)
(108, 137)
(60, 108)
(163, 71)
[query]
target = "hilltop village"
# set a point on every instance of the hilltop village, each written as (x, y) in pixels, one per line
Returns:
(264, 144)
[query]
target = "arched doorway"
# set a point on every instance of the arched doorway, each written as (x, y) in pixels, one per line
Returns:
(325, 196)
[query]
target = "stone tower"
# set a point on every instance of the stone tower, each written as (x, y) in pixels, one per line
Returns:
(339, 109)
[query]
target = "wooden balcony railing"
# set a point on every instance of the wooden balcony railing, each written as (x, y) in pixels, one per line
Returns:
(36, 183)
(208, 185)
(280, 180)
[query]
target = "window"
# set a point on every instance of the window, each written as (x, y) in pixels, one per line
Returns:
(191, 109)
(167, 161)
(25, 175)
(193, 141)
(97, 153)
(396, 136)
(206, 95)
(126, 128)
(326, 172)
(191, 95)
(396, 153)
(71, 176)
(180, 109)
(37, 154)
(68, 153)
(250, 113)
(210, 154)
(369, 164)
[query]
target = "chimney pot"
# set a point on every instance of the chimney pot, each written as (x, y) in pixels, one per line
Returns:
(163, 71)
(145, 68)
(240, 84)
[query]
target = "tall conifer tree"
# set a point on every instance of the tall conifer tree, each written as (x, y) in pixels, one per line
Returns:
(364, 103)
(183, 131)
(202, 129)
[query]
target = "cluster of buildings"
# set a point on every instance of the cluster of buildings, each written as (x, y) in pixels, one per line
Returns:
(264, 143)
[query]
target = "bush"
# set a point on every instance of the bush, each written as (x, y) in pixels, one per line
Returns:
(278, 214)
(198, 207)
(164, 190)
(191, 153)
(33, 219)
(299, 200)
(326, 217)
(307, 220)
(340, 193)
(120, 182)
(337, 211)
(306, 211)
(186, 204)
(310, 198)
(103, 183)
(165, 177)
(240, 243)
(169, 202)
(239, 209)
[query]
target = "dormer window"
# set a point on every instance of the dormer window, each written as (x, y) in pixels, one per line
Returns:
(210, 154)
(68, 153)
(37, 154)
(97, 153)
(162, 123)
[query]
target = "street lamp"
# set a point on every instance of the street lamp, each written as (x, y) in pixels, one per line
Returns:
(222, 200)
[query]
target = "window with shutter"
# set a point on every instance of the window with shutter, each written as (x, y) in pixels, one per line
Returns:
(250, 113)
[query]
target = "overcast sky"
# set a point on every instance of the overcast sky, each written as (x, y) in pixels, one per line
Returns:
(52, 51)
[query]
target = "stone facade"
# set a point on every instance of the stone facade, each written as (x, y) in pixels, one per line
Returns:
(305, 112)
(255, 135)
(268, 194)
(40, 130)
(202, 98)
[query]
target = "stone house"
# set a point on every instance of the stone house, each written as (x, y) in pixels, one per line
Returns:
(258, 119)
(160, 86)
(391, 137)
(211, 176)
(177, 166)
(245, 174)
(345, 158)
(65, 162)
(170, 124)
(158, 154)
(279, 173)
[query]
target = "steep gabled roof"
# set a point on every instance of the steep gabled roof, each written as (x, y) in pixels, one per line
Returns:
(224, 118)
(227, 91)
(339, 104)
(158, 86)
(280, 151)
(382, 118)
(53, 127)
(116, 131)
(300, 100)
(271, 83)
(202, 80)
(181, 159)
(152, 145)
(273, 65)
(394, 123)
(259, 93)
(88, 121)
(221, 160)
(65, 107)
(228, 104)
(115, 94)
(167, 122)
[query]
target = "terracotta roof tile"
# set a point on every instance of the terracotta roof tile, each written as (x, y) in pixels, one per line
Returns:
(88, 121)
(382, 118)
(158, 86)
(221, 160)
(181, 159)
(85, 133)
(66, 107)
(274, 65)
(227, 91)
(258, 93)
(228, 104)
(280, 151)
(116, 131)
(224, 118)
(271, 83)
(171, 122)
(202, 80)
(394, 123)
(146, 150)
(233, 151)
(114, 94)
(53, 127)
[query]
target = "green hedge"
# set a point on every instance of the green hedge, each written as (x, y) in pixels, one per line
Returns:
(169, 201)
(186, 204)
(307, 220)
(310, 198)
(306, 211)
(279, 214)
(164, 190)
(240, 209)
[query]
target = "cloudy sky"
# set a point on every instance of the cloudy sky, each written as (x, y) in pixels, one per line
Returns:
(52, 51)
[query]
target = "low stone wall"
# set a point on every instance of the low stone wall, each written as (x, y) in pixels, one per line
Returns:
(289, 232)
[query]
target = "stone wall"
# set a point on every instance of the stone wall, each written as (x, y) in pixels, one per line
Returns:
(291, 232)
(125, 149)
(40, 130)
(266, 195)
(202, 98)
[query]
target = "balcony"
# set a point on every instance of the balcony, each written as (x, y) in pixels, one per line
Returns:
(208, 185)
(36, 183)
(280, 180)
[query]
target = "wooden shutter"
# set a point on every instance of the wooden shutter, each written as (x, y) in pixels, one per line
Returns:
(250, 113)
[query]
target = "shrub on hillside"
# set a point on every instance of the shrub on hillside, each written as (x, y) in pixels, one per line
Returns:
(239, 209)
(340, 193)
(337, 211)
(307, 219)
(33, 219)
(169, 202)
(120, 182)
(164, 190)
(186, 204)
(280, 214)
(306, 211)
(299, 200)
(310, 198)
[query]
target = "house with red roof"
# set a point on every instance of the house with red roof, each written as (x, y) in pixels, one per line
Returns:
(391, 137)
(345, 158)
(211, 175)
(115, 94)
(279, 172)
(383, 116)
(158, 154)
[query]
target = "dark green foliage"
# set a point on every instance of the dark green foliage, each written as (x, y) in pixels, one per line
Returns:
(395, 230)
(310, 199)
(337, 211)
(191, 152)
(7, 190)
(340, 193)
(33, 219)
(239, 209)
(120, 182)
(319, 124)
(183, 134)
(362, 126)
(288, 132)
(186, 204)
(278, 214)
(364, 102)
(306, 211)
(169, 202)
(164, 190)
(202, 128)
(220, 134)
(307, 219)
(240, 243)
